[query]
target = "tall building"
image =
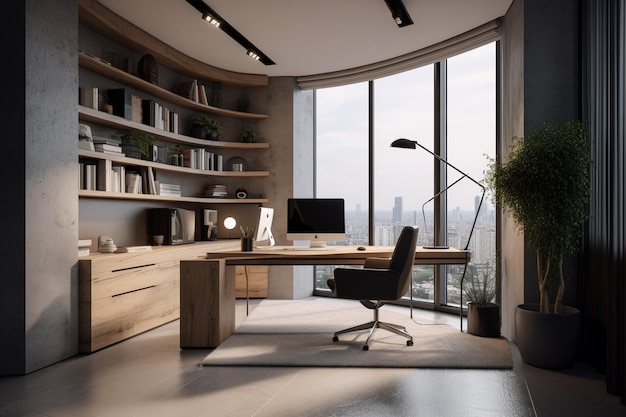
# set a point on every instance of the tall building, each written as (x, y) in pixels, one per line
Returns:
(397, 211)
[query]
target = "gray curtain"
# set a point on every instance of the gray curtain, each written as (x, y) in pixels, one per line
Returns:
(603, 289)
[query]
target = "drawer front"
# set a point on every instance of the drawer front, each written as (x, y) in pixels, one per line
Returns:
(112, 320)
(155, 306)
(122, 281)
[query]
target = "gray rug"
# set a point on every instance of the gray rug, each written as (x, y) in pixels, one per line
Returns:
(299, 333)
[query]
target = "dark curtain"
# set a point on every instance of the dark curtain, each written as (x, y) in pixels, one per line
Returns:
(602, 289)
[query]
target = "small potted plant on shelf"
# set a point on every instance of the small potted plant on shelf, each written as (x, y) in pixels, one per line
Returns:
(249, 135)
(544, 186)
(204, 127)
(137, 144)
(483, 313)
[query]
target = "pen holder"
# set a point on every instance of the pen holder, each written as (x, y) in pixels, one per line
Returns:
(246, 244)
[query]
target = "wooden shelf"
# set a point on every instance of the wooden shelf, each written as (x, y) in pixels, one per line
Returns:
(151, 197)
(100, 67)
(86, 114)
(123, 160)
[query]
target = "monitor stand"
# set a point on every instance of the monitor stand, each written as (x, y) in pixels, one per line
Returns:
(317, 245)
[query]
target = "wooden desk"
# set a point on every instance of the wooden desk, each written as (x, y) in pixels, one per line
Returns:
(207, 285)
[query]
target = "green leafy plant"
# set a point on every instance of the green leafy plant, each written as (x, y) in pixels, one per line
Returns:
(141, 140)
(212, 127)
(544, 186)
(480, 289)
(249, 135)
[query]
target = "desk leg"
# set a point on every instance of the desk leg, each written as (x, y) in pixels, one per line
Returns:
(207, 303)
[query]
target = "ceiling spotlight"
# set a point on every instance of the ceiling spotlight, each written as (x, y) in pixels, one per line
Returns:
(217, 21)
(399, 13)
(213, 21)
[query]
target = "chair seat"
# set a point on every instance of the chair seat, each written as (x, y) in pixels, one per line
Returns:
(380, 280)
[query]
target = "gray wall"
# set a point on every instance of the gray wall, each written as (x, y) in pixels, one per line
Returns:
(541, 82)
(39, 288)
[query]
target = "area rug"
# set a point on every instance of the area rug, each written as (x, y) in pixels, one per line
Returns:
(299, 333)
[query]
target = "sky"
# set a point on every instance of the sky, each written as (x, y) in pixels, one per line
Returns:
(404, 108)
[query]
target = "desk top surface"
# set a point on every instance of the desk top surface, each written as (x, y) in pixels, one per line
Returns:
(290, 255)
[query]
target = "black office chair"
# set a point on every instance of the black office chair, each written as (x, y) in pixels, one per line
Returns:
(379, 281)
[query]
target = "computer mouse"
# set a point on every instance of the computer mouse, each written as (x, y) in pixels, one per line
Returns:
(361, 248)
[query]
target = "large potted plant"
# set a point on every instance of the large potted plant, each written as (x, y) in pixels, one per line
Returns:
(483, 313)
(544, 186)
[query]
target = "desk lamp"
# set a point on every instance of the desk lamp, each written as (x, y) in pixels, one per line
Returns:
(412, 144)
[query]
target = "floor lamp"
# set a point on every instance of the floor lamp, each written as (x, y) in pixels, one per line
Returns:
(412, 144)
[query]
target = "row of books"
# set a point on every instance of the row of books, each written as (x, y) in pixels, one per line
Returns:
(200, 158)
(102, 175)
(129, 106)
(194, 91)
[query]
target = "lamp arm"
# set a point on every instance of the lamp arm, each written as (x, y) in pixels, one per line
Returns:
(482, 197)
(435, 196)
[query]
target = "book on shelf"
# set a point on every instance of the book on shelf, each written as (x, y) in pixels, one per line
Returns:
(119, 179)
(203, 99)
(102, 147)
(133, 183)
(136, 109)
(88, 97)
(171, 190)
(148, 112)
(84, 247)
(121, 100)
(88, 178)
(104, 174)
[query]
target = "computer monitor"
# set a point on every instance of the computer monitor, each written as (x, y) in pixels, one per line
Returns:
(263, 235)
(316, 220)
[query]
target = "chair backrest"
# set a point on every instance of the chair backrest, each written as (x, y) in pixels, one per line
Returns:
(403, 257)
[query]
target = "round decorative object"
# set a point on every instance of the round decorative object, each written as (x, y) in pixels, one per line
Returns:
(148, 69)
(108, 246)
(241, 193)
(236, 164)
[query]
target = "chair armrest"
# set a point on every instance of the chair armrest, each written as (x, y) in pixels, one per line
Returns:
(378, 263)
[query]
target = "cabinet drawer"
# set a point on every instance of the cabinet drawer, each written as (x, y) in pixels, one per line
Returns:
(121, 281)
(155, 306)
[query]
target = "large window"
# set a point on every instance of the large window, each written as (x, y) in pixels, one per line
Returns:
(449, 108)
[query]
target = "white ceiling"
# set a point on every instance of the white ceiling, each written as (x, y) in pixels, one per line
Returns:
(305, 37)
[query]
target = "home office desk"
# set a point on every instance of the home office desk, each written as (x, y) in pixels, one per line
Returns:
(207, 284)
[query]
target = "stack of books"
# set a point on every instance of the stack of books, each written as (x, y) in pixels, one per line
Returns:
(108, 147)
(84, 247)
(215, 191)
(171, 190)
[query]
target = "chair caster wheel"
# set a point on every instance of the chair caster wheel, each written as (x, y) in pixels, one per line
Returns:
(366, 347)
(335, 339)
(409, 343)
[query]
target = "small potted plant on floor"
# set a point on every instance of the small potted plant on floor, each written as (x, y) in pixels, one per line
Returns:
(204, 127)
(544, 186)
(483, 314)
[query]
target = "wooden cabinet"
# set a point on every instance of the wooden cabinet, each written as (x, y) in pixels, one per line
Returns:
(122, 295)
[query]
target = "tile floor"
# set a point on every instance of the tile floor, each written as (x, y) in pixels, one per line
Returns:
(149, 376)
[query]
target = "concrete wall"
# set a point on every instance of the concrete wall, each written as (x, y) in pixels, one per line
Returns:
(541, 82)
(39, 323)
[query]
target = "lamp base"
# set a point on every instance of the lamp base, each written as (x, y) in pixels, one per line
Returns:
(436, 247)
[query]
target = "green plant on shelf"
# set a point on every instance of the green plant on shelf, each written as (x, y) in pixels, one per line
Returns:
(211, 127)
(136, 144)
(249, 135)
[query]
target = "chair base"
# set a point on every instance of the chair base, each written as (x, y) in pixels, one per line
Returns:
(373, 325)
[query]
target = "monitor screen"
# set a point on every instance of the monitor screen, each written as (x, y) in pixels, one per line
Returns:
(316, 220)
(263, 235)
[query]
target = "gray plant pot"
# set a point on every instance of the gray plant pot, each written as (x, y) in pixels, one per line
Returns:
(483, 321)
(547, 340)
